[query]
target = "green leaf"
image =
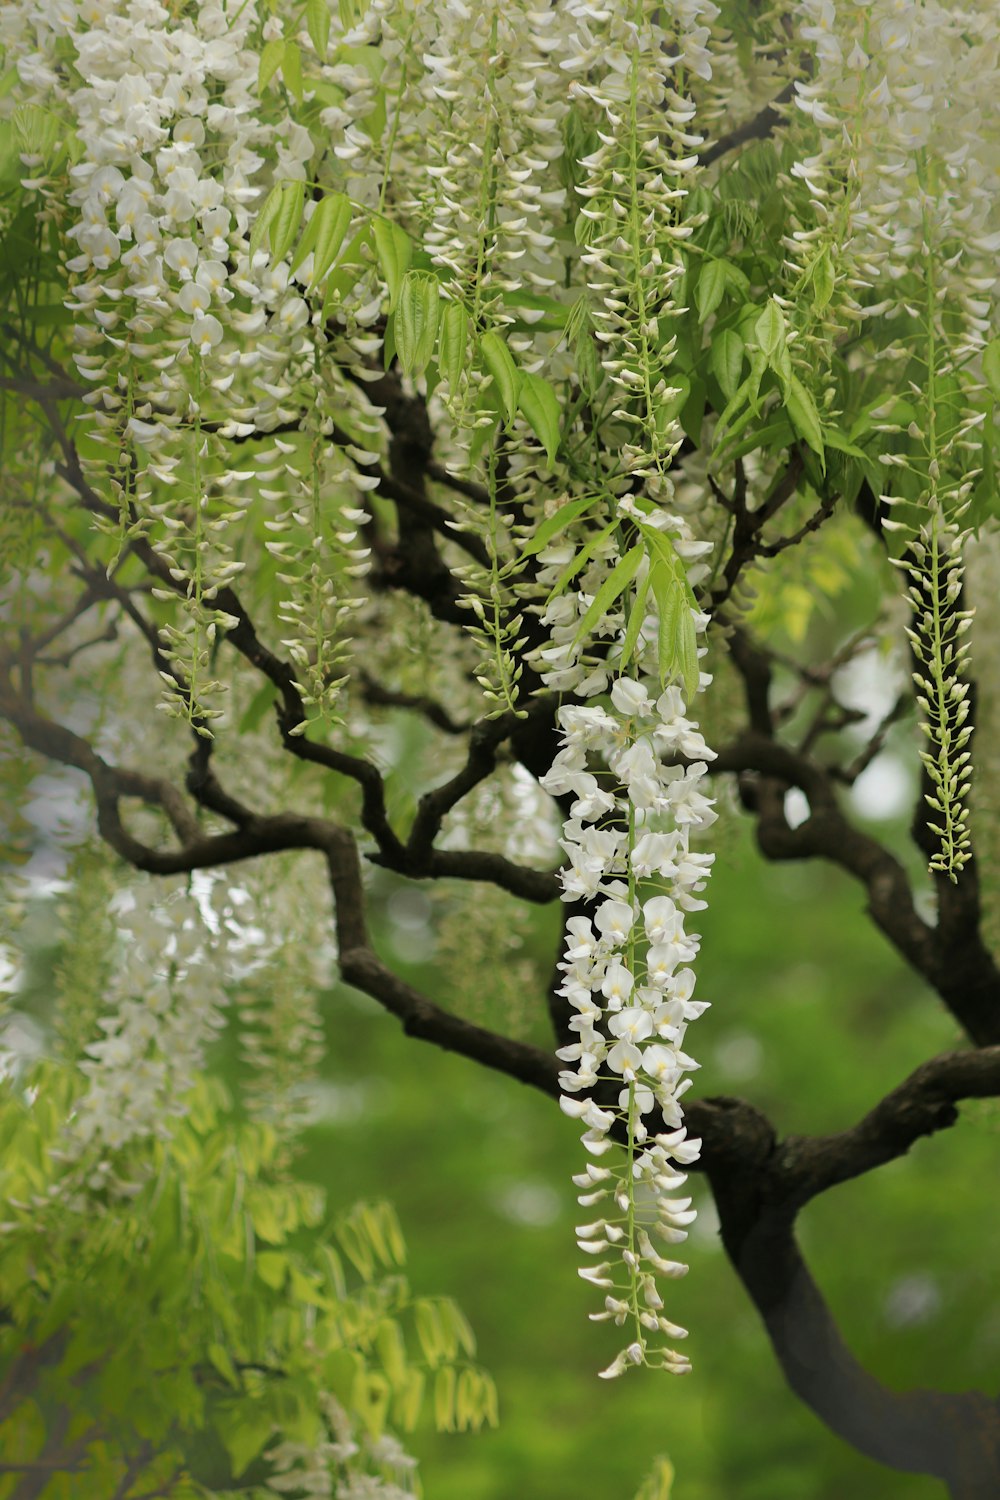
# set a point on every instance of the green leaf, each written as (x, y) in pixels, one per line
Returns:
(285, 224)
(805, 418)
(318, 26)
(244, 1433)
(769, 330)
(453, 343)
(395, 251)
(272, 1268)
(221, 1359)
(677, 645)
(500, 363)
(262, 223)
(991, 366)
(726, 360)
(291, 70)
(416, 321)
(391, 1350)
(833, 439)
(637, 614)
(540, 406)
(579, 560)
(332, 218)
(444, 1399)
(552, 525)
(270, 61)
(823, 281)
(711, 288)
(341, 279)
(611, 589)
(661, 548)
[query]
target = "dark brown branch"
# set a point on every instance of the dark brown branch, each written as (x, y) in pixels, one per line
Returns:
(921, 1105)
(383, 697)
(361, 967)
(757, 128)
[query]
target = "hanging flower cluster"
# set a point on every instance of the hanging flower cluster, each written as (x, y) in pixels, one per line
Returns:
(905, 199)
(629, 986)
(191, 331)
(636, 180)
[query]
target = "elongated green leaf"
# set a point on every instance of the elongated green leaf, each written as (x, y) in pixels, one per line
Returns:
(318, 25)
(285, 224)
(991, 366)
(805, 418)
(823, 281)
(500, 363)
(395, 251)
(270, 61)
(769, 329)
(833, 439)
(669, 598)
(540, 406)
(611, 589)
(661, 548)
(416, 321)
(637, 614)
(579, 561)
(711, 288)
(262, 223)
(770, 438)
(553, 525)
(291, 70)
(326, 229)
(677, 645)
(343, 276)
(726, 360)
(453, 343)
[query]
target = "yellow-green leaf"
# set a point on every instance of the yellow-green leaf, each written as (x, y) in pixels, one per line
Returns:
(553, 525)
(285, 224)
(291, 70)
(395, 251)
(270, 61)
(444, 1399)
(726, 361)
(324, 235)
(453, 343)
(500, 363)
(804, 416)
(823, 281)
(416, 321)
(991, 366)
(769, 329)
(711, 288)
(539, 404)
(611, 589)
(637, 613)
(222, 1361)
(266, 213)
(318, 26)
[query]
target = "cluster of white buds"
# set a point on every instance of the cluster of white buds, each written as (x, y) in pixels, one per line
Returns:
(628, 983)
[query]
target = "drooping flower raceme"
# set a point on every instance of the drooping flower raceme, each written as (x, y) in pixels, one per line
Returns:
(636, 773)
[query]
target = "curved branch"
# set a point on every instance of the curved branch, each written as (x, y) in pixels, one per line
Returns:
(952, 1437)
(922, 1104)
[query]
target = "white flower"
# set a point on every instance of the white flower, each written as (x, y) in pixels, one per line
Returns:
(630, 697)
(614, 921)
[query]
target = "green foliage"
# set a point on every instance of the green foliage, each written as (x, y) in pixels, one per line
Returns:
(182, 1313)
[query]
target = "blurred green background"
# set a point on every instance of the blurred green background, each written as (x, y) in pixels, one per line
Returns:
(813, 1019)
